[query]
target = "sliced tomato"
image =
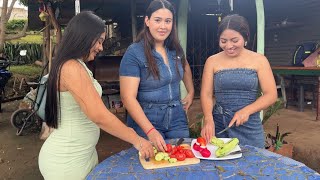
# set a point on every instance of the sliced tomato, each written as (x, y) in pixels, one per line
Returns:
(201, 141)
(181, 151)
(180, 156)
(169, 148)
(189, 153)
(172, 156)
(174, 150)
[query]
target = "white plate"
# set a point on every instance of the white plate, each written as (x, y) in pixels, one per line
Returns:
(213, 148)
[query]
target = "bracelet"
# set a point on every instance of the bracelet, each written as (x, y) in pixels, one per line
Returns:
(150, 130)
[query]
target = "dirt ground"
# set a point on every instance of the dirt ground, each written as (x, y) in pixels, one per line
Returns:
(19, 154)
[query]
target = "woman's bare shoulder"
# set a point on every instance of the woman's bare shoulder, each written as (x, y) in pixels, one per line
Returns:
(259, 60)
(214, 58)
(71, 67)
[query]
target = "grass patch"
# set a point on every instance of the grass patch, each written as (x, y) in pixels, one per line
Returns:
(31, 38)
(26, 70)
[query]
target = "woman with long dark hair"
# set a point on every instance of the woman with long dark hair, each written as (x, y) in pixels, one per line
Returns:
(233, 77)
(150, 73)
(74, 107)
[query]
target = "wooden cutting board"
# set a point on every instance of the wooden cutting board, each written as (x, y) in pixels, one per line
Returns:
(153, 164)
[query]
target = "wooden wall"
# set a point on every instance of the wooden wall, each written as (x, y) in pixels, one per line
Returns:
(303, 24)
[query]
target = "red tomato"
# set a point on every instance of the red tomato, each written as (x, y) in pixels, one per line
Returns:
(182, 151)
(189, 153)
(205, 153)
(196, 146)
(169, 148)
(180, 156)
(201, 141)
(179, 147)
(174, 150)
(172, 156)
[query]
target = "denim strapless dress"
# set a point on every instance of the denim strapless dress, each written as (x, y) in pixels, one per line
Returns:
(235, 89)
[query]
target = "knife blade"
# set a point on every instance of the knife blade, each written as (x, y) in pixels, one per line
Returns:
(224, 130)
(179, 141)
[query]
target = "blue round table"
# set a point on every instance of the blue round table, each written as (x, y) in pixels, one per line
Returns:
(255, 163)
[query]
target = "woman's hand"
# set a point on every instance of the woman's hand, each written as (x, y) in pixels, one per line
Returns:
(187, 101)
(144, 147)
(240, 117)
(208, 130)
(157, 140)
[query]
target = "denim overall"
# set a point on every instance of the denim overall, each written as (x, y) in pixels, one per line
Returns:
(235, 89)
(159, 98)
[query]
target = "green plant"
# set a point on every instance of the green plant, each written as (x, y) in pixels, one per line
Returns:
(195, 128)
(12, 52)
(272, 110)
(278, 140)
(16, 24)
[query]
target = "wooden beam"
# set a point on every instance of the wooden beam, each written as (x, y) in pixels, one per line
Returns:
(260, 26)
(182, 32)
(133, 20)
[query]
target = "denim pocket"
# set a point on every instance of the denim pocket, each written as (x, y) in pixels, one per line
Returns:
(155, 115)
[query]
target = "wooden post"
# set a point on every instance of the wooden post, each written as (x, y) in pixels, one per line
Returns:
(260, 32)
(182, 32)
(260, 26)
(46, 41)
(133, 20)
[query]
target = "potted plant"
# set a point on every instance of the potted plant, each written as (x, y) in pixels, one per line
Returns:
(278, 145)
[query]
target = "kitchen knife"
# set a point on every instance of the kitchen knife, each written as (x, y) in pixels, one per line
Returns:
(179, 141)
(223, 130)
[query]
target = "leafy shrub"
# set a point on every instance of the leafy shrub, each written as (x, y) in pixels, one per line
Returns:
(15, 24)
(12, 52)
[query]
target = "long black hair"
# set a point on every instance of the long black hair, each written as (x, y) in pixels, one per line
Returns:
(172, 41)
(81, 33)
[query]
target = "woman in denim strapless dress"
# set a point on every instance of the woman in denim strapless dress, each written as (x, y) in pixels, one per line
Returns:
(233, 76)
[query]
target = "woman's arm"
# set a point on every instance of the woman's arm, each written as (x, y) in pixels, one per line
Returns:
(75, 79)
(128, 90)
(187, 80)
(206, 98)
(269, 93)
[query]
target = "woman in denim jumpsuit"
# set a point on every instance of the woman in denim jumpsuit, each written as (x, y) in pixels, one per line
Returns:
(150, 74)
(233, 77)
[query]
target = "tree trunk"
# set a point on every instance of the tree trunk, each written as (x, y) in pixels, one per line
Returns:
(5, 15)
(55, 24)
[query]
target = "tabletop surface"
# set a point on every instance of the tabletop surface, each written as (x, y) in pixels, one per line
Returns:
(254, 164)
(292, 70)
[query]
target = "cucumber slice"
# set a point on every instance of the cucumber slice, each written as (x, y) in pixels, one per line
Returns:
(159, 156)
(172, 160)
